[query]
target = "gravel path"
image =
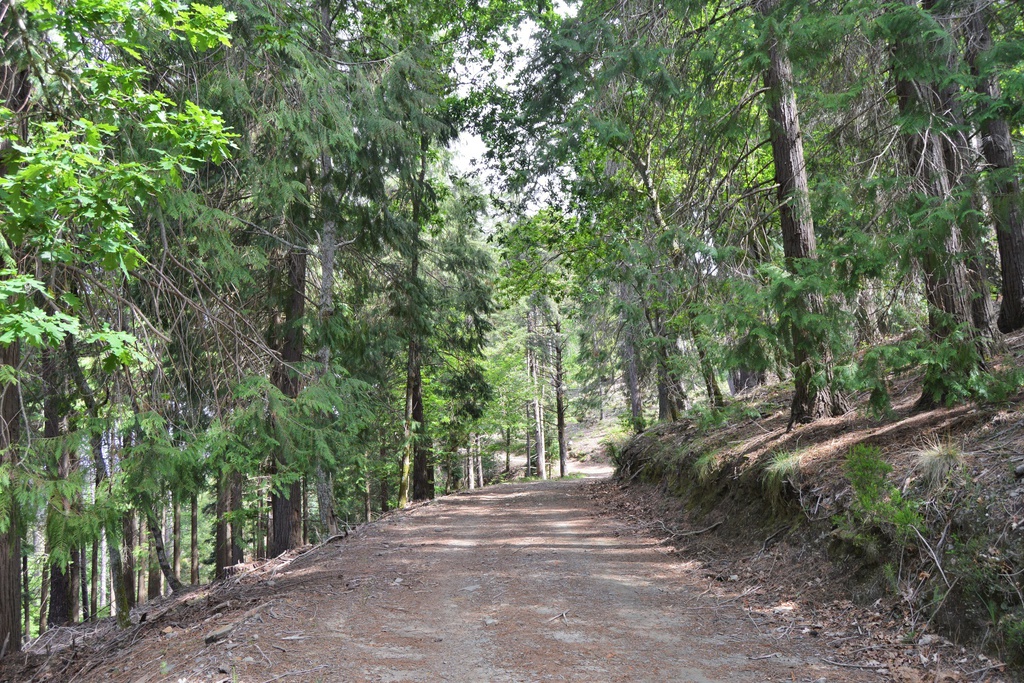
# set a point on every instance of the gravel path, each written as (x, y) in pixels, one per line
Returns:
(519, 582)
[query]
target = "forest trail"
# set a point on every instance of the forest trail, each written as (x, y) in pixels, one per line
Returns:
(516, 582)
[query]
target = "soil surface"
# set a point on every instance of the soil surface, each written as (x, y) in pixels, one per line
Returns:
(517, 582)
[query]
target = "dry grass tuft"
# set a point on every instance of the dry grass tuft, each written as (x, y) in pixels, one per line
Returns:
(936, 460)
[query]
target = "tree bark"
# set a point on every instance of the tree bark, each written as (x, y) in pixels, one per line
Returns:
(421, 489)
(508, 450)
(286, 501)
(1003, 182)
(123, 589)
(94, 562)
(632, 381)
(222, 540)
(14, 93)
(160, 554)
(529, 419)
(176, 537)
(153, 583)
(538, 391)
(236, 506)
(127, 579)
(194, 532)
(947, 281)
(563, 445)
(25, 596)
(811, 355)
(83, 581)
(44, 597)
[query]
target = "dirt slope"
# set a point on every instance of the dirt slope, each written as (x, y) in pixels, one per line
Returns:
(519, 582)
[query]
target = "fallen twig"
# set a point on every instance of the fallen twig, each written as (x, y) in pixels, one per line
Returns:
(869, 667)
(935, 558)
(774, 654)
(269, 663)
(1000, 665)
(295, 673)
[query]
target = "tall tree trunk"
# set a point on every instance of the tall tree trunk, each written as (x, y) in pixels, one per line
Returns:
(153, 583)
(811, 354)
(367, 500)
(286, 502)
(538, 391)
(324, 483)
(529, 419)
(421, 489)
(121, 578)
(140, 567)
(632, 381)
(160, 555)
(415, 455)
(222, 539)
(411, 431)
(83, 567)
(508, 450)
(25, 597)
(94, 562)
(14, 94)
(479, 464)
(129, 532)
(563, 445)
(707, 371)
(236, 505)
(384, 493)
(176, 537)
(62, 599)
(947, 281)
(1003, 181)
(193, 559)
(44, 596)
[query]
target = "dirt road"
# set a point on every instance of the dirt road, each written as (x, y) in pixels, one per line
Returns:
(519, 582)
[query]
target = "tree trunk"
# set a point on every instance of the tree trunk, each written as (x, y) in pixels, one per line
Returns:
(44, 596)
(94, 562)
(236, 505)
(421, 489)
(811, 355)
(140, 568)
(538, 393)
(222, 540)
(409, 447)
(160, 555)
(59, 613)
(75, 585)
(632, 381)
(194, 532)
(14, 94)
(563, 444)
(707, 371)
(129, 532)
(947, 281)
(153, 584)
(176, 537)
(83, 581)
(286, 501)
(529, 419)
(1003, 182)
(367, 500)
(123, 589)
(324, 484)
(508, 450)
(25, 597)
(479, 463)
